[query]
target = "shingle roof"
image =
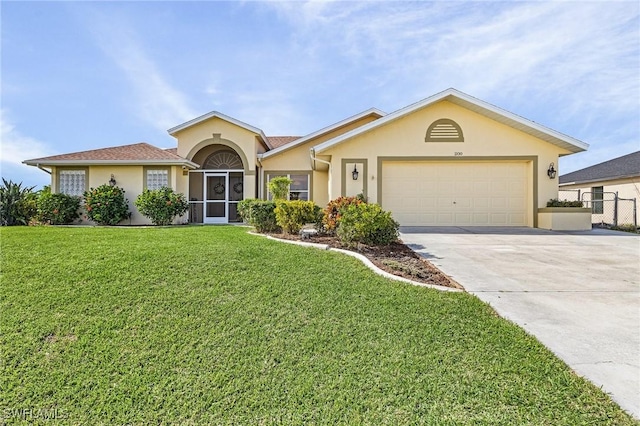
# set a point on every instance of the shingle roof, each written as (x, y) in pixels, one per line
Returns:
(139, 152)
(278, 141)
(625, 166)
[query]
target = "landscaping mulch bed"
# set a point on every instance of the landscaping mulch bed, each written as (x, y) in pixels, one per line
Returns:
(396, 258)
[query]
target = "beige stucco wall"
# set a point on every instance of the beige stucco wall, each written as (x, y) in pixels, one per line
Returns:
(564, 218)
(321, 188)
(131, 179)
(484, 139)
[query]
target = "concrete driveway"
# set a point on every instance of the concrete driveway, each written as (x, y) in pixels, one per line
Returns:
(577, 292)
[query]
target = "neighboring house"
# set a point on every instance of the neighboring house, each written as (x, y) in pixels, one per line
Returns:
(450, 159)
(607, 188)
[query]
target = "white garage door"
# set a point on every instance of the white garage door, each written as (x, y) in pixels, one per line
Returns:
(456, 193)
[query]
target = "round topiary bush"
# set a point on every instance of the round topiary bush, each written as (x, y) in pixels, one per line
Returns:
(106, 205)
(367, 224)
(56, 208)
(162, 205)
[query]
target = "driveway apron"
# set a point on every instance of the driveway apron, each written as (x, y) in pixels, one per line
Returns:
(577, 292)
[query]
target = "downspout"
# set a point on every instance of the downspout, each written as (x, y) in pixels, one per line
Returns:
(312, 154)
(43, 169)
(259, 161)
(314, 159)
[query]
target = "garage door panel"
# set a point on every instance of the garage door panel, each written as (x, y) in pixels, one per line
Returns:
(516, 219)
(428, 203)
(481, 186)
(464, 203)
(481, 219)
(444, 203)
(445, 219)
(456, 193)
(517, 203)
(481, 204)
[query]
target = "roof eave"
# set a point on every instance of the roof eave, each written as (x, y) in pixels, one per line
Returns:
(164, 162)
(600, 179)
(324, 130)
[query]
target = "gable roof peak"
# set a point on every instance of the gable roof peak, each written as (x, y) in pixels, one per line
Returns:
(473, 104)
(216, 114)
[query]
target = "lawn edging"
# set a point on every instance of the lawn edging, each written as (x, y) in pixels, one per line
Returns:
(364, 260)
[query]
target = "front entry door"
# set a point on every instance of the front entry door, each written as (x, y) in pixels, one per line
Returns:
(215, 206)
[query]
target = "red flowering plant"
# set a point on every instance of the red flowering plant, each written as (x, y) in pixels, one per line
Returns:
(56, 209)
(106, 205)
(333, 212)
(162, 205)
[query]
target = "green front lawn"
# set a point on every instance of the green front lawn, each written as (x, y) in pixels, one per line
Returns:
(203, 325)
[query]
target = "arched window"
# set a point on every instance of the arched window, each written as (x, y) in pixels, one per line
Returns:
(444, 130)
(225, 159)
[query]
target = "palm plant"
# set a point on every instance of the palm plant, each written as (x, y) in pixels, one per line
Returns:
(17, 203)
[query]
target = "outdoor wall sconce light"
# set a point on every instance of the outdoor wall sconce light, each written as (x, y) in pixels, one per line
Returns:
(354, 173)
(112, 181)
(551, 172)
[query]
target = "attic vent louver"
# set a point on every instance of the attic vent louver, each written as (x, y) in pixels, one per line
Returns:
(444, 130)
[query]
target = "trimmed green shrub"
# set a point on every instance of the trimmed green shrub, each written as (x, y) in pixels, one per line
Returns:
(331, 213)
(57, 209)
(554, 202)
(366, 224)
(17, 203)
(291, 216)
(161, 205)
(244, 208)
(106, 205)
(279, 187)
(259, 214)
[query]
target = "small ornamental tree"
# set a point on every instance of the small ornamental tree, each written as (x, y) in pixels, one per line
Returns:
(161, 205)
(279, 187)
(106, 205)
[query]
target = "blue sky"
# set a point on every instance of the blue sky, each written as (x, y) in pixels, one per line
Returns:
(86, 75)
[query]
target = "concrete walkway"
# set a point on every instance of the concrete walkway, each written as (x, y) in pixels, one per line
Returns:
(577, 292)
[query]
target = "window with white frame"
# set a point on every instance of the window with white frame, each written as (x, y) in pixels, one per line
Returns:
(157, 178)
(299, 189)
(72, 182)
(597, 197)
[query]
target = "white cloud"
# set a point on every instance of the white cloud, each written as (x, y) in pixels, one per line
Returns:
(16, 147)
(482, 47)
(155, 100)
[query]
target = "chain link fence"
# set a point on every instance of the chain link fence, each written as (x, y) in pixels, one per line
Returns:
(607, 209)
